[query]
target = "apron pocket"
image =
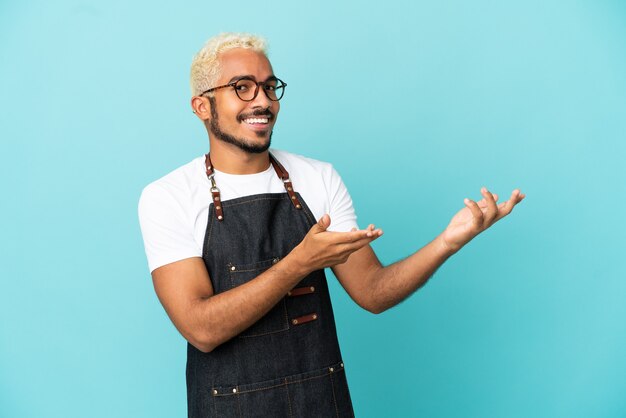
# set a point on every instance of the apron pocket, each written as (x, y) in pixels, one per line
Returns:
(272, 402)
(276, 320)
(318, 393)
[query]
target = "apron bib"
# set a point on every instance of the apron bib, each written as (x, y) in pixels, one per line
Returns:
(287, 364)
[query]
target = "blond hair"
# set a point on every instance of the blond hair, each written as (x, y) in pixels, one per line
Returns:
(205, 67)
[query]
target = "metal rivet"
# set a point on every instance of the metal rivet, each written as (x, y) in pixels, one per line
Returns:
(314, 316)
(293, 198)
(295, 322)
(220, 217)
(312, 289)
(331, 369)
(289, 188)
(233, 268)
(298, 206)
(218, 207)
(214, 392)
(289, 293)
(341, 365)
(234, 390)
(275, 260)
(217, 199)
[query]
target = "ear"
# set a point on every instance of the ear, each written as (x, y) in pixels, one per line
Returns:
(201, 107)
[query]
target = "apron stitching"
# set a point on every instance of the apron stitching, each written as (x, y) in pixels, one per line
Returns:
(238, 405)
(286, 314)
(288, 398)
(245, 271)
(254, 200)
(332, 385)
(278, 385)
(310, 218)
(265, 333)
(209, 234)
(214, 406)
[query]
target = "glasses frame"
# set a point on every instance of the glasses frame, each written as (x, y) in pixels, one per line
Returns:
(233, 84)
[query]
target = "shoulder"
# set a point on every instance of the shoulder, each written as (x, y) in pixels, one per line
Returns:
(175, 187)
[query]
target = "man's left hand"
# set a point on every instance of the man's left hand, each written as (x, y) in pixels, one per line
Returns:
(478, 216)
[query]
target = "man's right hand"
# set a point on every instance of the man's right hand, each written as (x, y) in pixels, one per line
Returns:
(321, 248)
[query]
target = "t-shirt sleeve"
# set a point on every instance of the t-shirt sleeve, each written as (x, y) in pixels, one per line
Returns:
(167, 231)
(341, 211)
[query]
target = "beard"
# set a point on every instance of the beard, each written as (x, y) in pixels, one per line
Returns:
(241, 143)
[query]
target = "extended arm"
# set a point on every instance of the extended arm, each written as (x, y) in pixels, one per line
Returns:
(207, 320)
(377, 288)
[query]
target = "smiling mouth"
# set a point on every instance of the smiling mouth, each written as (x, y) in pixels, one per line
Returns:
(256, 121)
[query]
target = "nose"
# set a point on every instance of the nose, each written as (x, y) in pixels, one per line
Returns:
(261, 100)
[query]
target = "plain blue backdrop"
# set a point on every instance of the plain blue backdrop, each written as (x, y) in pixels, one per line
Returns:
(417, 104)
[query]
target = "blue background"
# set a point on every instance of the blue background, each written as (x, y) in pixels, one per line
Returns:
(417, 104)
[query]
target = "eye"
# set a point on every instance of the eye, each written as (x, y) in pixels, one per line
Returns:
(245, 85)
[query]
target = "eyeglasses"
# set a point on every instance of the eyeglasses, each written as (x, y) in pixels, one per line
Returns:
(247, 89)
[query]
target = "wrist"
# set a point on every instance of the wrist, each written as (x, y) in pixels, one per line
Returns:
(445, 248)
(295, 263)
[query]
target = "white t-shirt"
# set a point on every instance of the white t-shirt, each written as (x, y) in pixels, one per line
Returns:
(174, 210)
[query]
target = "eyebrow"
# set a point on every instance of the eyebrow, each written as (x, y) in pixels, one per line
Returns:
(248, 77)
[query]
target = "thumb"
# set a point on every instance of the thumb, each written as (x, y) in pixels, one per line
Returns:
(322, 224)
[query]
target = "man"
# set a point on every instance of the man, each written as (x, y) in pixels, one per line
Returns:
(237, 242)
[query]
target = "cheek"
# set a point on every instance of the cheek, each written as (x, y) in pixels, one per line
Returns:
(230, 114)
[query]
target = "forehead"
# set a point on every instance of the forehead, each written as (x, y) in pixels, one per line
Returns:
(240, 61)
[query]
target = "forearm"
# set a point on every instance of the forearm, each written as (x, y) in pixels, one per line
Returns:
(220, 317)
(391, 284)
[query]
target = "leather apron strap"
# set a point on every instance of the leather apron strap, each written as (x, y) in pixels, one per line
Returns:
(215, 191)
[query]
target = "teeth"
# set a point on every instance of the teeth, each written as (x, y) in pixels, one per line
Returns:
(256, 120)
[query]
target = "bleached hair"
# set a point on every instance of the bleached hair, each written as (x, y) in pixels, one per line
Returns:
(205, 67)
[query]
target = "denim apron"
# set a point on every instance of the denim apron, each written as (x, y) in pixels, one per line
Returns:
(288, 364)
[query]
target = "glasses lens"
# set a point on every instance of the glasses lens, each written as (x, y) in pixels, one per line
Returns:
(274, 89)
(246, 89)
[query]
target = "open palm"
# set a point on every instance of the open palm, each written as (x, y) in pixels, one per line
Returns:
(475, 217)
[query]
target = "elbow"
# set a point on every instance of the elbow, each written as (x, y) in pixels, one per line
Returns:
(202, 341)
(373, 304)
(375, 309)
(205, 348)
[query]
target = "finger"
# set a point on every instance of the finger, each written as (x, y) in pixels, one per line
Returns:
(357, 245)
(476, 212)
(492, 209)
(338, 238)
(509, 204)
(322, 224)
(371, 232)
(482, 203)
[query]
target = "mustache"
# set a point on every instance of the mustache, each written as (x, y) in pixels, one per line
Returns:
(258, 112)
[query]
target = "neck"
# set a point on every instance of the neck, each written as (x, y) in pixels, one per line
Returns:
(229, 159)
